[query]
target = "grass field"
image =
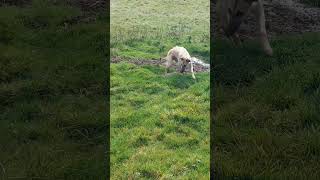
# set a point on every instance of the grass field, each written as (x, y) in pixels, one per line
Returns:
(312, 2)
(159, 125)
(267, 115)
(52, 101)
(147, 30)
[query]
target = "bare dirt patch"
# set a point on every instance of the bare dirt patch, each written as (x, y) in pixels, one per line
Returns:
(282, 17)
(153, 62)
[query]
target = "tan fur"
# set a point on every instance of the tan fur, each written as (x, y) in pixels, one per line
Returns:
(181, 56)
(232, 12)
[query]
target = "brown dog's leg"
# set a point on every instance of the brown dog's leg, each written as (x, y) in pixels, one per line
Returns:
(235, 39)
(258, 10)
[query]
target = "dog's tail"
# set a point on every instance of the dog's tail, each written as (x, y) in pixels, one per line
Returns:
(198, 61)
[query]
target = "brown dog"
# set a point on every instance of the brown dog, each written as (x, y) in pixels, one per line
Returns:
(231, 14)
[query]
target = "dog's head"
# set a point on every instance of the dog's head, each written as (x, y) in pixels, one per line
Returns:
(231, 13)
(185, 62)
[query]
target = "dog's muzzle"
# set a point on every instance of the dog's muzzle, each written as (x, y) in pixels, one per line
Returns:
(183, 68)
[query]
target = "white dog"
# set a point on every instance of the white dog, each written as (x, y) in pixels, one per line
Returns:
(183, 58)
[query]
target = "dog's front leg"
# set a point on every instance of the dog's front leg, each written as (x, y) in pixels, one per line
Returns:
(181, 65)
(235, 39)
(258, 10)
(191, 69)
(168, 65)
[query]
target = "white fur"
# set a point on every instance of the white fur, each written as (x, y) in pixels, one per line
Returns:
(183, 58)
(198, 61)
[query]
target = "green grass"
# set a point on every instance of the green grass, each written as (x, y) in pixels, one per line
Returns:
(268, 118)
(147, 30)
(312, 2)
(52, 106)
(159, 125)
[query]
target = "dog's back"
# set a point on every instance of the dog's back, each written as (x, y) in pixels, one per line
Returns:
(178, 52)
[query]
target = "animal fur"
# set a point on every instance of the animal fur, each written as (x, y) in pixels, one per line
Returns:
(231, 14)
(181, 56)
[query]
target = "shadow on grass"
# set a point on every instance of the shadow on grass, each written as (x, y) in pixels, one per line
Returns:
(270, 105)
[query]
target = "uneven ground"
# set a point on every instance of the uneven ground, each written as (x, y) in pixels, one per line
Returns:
(85, 5)
(159, 63)
(52, 101)
(282, 17)
(159, 125)
(267, 116)
(152, 28)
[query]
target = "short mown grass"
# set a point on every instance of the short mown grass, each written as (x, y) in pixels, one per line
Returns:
(52, 102)
(267, 117)
(159, 124)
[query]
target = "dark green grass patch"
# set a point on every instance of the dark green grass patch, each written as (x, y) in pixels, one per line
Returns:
(52, 107)
(268, 117)
(312, 2)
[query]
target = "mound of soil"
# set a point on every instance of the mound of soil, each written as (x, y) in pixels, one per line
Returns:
(143, 62)
(282, 17)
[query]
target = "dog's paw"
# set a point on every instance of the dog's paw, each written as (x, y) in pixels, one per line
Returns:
(268, 51)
